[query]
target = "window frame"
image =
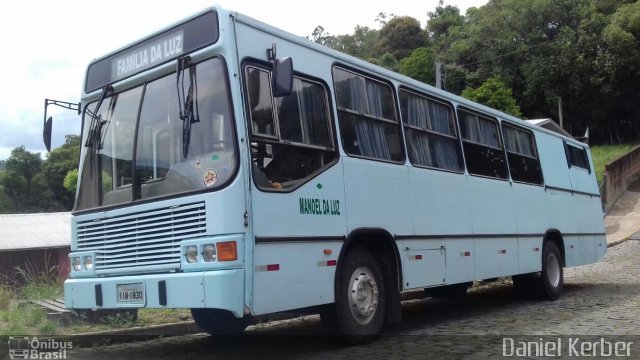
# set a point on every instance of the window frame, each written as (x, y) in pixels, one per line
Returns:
(457, 137)
(396, 112)
(583, 151)
(277, 140)
(504, 124)
(501, 149)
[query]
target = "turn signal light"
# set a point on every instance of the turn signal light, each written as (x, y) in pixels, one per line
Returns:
(227, 251)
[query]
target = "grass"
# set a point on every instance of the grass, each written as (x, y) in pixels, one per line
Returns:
(604, 154)
(19, 316)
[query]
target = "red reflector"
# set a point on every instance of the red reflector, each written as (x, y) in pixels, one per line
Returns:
(418, 257)
(273, 267)
(332, 262)
(536, 249)
(467, 253)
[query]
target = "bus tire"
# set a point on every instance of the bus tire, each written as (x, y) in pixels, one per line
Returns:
(361, 298)
(219, 322)
(550, 283)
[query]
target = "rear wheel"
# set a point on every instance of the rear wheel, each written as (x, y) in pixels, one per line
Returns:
(359, 311)
(551, 282)
(219, 322)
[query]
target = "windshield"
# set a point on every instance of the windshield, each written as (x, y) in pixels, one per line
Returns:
(140, 153)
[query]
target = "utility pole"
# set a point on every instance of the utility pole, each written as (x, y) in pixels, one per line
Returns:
(439, 75)
(560, 112)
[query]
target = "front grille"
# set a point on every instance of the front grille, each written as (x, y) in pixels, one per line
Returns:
(143, 240)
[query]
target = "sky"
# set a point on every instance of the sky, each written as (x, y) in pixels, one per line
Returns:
(46, 46)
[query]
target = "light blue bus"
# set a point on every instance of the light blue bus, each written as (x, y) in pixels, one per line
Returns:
(237, 170)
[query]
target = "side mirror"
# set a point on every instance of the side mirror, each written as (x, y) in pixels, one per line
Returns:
(282, 80)
(46, 133)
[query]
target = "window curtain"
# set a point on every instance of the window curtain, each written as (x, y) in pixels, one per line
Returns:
(481, 130)
(369, 133)
(430, 149)
(314, 118)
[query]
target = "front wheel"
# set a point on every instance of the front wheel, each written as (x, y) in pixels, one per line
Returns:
(219, 322)
(360, 299)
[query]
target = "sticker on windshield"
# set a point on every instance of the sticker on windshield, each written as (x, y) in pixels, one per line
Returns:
(210, 177)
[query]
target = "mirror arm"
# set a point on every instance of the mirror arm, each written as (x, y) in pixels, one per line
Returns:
(46, 132)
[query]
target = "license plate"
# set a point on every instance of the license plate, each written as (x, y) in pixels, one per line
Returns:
(131, 293)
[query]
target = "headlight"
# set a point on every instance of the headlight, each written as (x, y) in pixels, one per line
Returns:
(75, 261)
(88, 263)
(192, 254)
(209, 253)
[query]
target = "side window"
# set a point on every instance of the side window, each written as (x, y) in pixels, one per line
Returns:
(291, 136)
(482, 146)
(367, 117)
(577, 156)
(432, 140)
(524, 163)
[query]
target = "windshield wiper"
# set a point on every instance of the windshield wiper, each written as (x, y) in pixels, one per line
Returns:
(186, 101)
(95, 130)
(94, 138)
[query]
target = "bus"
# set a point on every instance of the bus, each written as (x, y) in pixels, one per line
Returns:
(237, 170)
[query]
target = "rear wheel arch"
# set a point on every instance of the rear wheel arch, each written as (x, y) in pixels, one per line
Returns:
(555, 236)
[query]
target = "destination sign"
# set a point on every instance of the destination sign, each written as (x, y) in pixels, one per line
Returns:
(191, 35)
(147, 55)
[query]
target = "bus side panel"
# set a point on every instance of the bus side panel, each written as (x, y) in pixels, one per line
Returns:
(440, 202)
(460, 260)
(495, 257)
(377, 196)
(291, 275)
(553, 160)
(532, 216)
(494, 227)
(315, 209)
(532, 220)
(529, 254)
(423, 262)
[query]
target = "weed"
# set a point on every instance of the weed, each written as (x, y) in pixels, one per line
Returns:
(37, 283)
(48, 328)
(6, 296)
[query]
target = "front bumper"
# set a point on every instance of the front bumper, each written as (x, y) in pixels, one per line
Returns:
(219, 289)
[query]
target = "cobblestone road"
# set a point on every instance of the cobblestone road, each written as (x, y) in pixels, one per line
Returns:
(601, 299)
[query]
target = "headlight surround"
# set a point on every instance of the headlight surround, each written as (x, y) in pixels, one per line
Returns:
(209, 253)
(212, 253)
(191, 254)
(88, 263)
(75, 262)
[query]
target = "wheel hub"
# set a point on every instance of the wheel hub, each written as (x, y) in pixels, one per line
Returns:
(553, 270)
(363, 295)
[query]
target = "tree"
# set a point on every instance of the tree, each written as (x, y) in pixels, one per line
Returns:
(400, 36)
(443, 18)
(22, 181)
(71, 181)
(59, 162)
(494, 93)
(420, 65)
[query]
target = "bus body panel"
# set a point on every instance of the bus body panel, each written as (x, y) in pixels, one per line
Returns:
(423, 262)
(220, 289)
(440, 202)
(293, 275)
(377, 196)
